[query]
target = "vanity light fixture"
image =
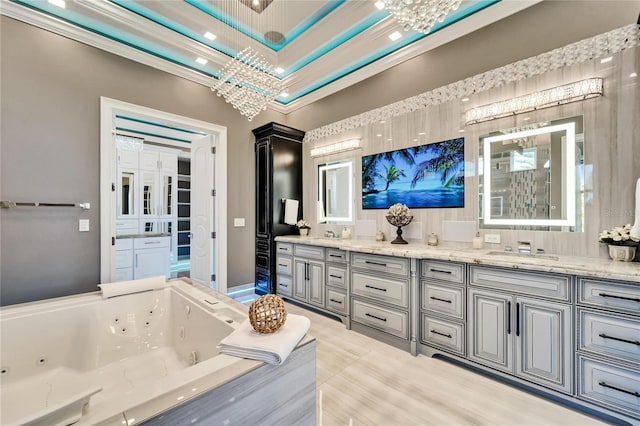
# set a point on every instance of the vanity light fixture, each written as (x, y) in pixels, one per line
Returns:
(334, 148)
(607, 59)
(573, 92)
(209, 36)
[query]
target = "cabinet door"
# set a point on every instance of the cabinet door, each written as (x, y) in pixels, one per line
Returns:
(543, 339)
(149, 160)
(262, 189)
(167, 199)
(168, 162)
(151, 262)
(148, 194)
(127, 158)
(490, 329)
(300, 279)
(316, 283)
(127, 194)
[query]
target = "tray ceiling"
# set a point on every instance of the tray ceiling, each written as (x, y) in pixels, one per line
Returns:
(321, 46)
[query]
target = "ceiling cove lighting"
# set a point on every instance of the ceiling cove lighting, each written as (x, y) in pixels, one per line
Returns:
(59, 3)
(248, 83)
(573, 92)
(420, 15)
(334, 148)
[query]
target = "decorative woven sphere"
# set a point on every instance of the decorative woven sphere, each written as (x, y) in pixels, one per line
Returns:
(267, 314)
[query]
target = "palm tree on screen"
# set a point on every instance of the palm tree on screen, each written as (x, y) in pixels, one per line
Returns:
(391, 175)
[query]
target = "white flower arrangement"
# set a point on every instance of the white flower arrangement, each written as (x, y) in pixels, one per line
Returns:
(619, 236)
(303, 224)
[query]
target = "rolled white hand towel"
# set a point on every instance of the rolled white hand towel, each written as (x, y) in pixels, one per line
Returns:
(273, 348)
(134, 286)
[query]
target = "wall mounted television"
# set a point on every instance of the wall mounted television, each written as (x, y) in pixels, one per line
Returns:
(424, 176)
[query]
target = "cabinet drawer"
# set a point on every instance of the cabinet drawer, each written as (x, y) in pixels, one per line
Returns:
(445, 271)
(284, 265)
(126, 227)
(383, 289)
(443, 299)
(310, 252)
(284, 248)
(609, 385)
(124, 274)
(446, 334)
(334, 255)
(124, 259)
(609, 335)
(337, 276)
(387, 320)
(284, 285)
(530, 283)
(124, 244)
(151, 242)
(337, 301)
(606, 294)
(390, 265)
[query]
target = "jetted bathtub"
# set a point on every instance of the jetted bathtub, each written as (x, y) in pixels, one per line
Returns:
(121, 360)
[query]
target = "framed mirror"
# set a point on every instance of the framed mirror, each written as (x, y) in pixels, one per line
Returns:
(532, 177)
(335, 192)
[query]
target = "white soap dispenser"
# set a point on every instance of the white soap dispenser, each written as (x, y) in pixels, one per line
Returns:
(477, 241)
(346, 232)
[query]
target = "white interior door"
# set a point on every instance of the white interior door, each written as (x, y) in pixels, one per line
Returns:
(202, 207)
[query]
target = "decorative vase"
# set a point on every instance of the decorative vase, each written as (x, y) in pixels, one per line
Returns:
(399, 222)
(304, 232)
(622, 253)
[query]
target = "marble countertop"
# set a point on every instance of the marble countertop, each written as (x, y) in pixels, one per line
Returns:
(583, 266)
(145, 235)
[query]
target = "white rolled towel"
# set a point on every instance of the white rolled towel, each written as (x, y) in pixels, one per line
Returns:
(134, 286)
(273, 348)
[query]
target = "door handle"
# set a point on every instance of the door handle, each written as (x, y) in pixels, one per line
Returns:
(136, 260)
(508, 317)
(518, 319)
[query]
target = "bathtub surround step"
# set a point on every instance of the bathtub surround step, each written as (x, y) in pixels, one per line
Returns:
(56, 397)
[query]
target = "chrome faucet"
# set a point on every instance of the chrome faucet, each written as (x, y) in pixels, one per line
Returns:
(524, 247)
(329, 234)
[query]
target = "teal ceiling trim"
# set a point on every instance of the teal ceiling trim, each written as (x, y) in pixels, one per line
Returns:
(161, 125)
(407, 39)
(114, 34)
(138, 132)
(138, 9)
(295, 32)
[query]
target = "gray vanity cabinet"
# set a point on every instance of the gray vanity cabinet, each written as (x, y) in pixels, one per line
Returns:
(337, 281)
(308, 274)
(520, 334)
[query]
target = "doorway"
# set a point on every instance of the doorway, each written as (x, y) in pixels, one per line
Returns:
(200, 195)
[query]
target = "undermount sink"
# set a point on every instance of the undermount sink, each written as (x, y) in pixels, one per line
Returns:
(523, 255)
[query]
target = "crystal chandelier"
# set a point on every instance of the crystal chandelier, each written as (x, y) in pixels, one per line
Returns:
(248, 83)
(420, 15)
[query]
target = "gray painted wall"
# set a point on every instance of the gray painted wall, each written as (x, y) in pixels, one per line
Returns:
(538, 29)
(50, 151)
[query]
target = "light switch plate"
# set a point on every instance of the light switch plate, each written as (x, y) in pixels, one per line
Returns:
(238, 222)
(492, 238)
(83, 225)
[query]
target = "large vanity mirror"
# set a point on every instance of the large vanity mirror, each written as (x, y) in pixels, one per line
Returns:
(533, 177)
(335, 192)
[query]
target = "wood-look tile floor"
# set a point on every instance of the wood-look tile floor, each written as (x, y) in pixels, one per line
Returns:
(361, 381)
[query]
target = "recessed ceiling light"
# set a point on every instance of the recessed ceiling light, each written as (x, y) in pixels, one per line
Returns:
(382, 121)
(465, 99)
(461, 130)
(209, 36)
(201, 61)
(256, 2)
(379, 5)
(607, 59)
(59, 3)
(284, 94)
(415, 140)
(279, 70)
(633, 74)
(395, 35)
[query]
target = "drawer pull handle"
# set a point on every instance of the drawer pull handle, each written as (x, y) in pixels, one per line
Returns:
(633, 342)
(635, 299)
(368, 262)
(335, 255)
(441, 334)
(442, 271)
(440, 300)
(375, 288)
(336, 301)
(378, 318)
(151, 242)
(606, 385)
(335, 276)
(284, 265)
(284, 285)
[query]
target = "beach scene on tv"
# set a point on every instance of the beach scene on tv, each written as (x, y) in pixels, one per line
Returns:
(425, 176)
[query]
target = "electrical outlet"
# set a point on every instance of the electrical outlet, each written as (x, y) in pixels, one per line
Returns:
(238, 222)
(83, 225)
(492, 238)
